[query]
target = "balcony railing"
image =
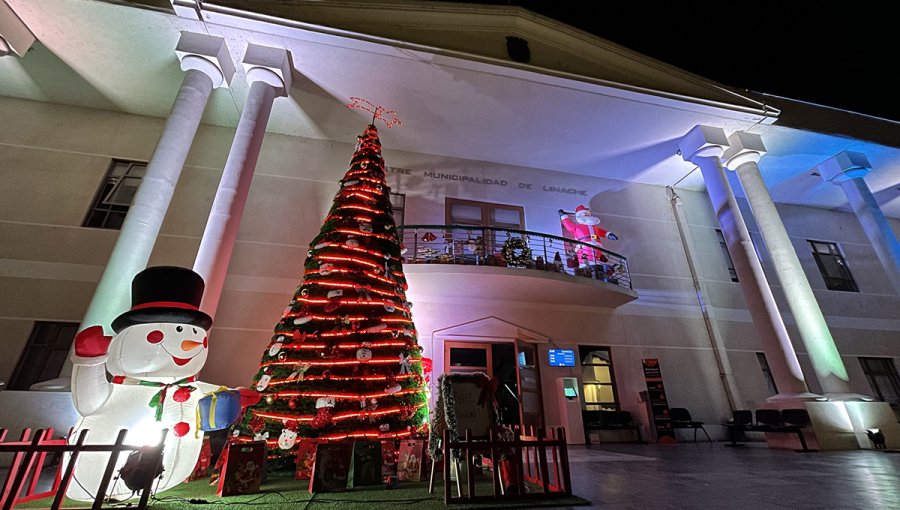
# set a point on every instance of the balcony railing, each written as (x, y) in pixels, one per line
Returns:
(491, 246)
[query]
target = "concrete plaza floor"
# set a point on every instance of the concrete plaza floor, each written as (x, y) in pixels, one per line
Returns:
(711, 476)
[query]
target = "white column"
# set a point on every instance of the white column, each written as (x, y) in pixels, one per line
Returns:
(207, 65)
(745, 150)
(848, 170)
(703, 146)
(15, 37)
(269, 75)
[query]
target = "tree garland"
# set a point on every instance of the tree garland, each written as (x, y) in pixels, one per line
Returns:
(510, 249)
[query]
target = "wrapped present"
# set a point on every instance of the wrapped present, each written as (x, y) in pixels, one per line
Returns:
(409, 464)
(201, 469)
(365, 469)
(218, 410)
(388, 458)
(332, 467)
(243, 469)
(306, 457)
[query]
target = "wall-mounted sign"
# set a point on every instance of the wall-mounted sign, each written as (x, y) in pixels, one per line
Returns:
(561, 357)
(485, 180)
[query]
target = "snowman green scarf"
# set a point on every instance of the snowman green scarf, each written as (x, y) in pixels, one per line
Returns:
(159, 398)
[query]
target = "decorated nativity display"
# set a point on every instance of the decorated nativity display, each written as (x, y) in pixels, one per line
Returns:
(343, 364)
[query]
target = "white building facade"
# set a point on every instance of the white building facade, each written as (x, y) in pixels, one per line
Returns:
(761, 241)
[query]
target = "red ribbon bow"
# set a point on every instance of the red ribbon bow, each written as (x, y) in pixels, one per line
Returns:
(488, 389)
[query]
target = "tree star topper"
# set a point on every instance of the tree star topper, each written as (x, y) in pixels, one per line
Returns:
(389, 117)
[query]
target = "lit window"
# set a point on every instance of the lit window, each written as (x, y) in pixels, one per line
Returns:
(883, 378)
(728, 261)
(44, 354)
(115, 195)
(598, 380)
(833, 267)
(767, 373)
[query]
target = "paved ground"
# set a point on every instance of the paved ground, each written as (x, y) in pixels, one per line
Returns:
(712, 477)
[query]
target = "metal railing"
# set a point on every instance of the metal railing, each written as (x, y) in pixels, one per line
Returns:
(492, 246)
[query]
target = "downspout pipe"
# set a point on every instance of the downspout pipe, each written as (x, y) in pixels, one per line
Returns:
(719, 352)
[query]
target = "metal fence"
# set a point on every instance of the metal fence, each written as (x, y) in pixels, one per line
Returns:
(492, 246)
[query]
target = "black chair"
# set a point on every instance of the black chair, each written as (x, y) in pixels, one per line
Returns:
(768, 418)
(681, 419)
(741, 421)
(795, 417)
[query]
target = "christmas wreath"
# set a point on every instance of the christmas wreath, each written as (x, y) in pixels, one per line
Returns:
(516, 252)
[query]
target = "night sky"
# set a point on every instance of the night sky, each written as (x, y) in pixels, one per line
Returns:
(840, 54)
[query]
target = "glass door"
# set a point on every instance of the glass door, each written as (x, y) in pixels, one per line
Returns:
(532, 409)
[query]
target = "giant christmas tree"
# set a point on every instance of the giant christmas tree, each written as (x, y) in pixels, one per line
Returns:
(344, 361)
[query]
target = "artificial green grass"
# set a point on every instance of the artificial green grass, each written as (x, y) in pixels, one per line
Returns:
(289, 494)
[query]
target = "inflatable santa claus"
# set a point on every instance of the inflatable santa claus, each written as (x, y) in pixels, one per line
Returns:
(159, 346)
(585, 228)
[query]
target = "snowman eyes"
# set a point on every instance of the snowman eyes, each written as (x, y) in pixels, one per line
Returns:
(195, 330)
(155, 336)
(179, 328)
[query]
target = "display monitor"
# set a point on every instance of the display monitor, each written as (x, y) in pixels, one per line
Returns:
(562, 358)
(570, 392)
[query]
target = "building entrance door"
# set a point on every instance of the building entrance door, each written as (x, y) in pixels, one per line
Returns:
(531, 402)
(514, 366)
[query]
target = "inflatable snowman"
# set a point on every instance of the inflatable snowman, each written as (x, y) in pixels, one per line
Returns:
(159, 347)
(585, 228)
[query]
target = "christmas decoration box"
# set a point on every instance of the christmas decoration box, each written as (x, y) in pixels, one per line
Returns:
(219, 409)
(409, 464)
(243, 470)
(331, 467)
(388, 458)
(306, 457)
(366, 466)
(201, 469)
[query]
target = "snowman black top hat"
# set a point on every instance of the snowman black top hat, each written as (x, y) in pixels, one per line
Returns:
(165, 294)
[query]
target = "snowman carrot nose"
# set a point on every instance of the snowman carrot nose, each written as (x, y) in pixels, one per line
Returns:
(189, 345)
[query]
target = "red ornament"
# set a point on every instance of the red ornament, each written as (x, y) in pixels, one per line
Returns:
(181, 429)
(257, 424)
(292, 403)
(181, 395)
(323, 418)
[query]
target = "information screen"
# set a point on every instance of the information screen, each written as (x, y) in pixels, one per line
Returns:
(562, 358)
(570, 392)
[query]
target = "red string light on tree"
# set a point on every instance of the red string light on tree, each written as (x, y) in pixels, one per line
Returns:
(339, 363)
(338, 344)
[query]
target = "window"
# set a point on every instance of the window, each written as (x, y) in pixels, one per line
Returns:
(833, 267)
(882, 376)
(44, 355)
(483, 214)
(398, 205)
(767, 373)
(598, 380)
(727, 255)
(115, 195)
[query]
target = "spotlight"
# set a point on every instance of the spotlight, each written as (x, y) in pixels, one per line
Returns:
(876, 436)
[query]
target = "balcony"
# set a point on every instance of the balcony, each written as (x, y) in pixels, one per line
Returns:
(458, 261)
